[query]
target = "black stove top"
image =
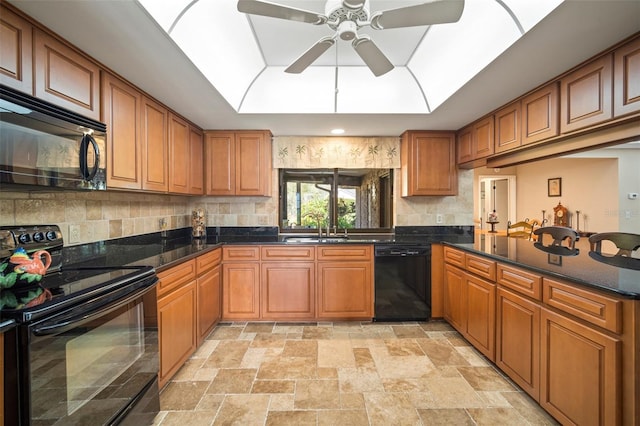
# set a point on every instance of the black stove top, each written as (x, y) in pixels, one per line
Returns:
(62, 285)
(70, 287)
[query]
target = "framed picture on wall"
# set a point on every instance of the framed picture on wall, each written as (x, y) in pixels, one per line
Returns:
(554, 187)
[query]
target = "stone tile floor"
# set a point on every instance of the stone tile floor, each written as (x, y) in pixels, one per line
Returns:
(342, 373)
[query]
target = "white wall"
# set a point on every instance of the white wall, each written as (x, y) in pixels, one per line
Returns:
(596, 183)
(589, 185)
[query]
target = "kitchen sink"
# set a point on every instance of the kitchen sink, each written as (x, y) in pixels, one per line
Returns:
(307, 239)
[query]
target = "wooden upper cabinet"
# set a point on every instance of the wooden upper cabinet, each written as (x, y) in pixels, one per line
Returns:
(253, 163)
(507, 122)
(121, 109)
(476, 140)
(220, 163)
(196, 161)
(464, 145)
(626, 95)
(428, 164)
(65, 77)
(540, 114)
(16, 69)
(238, 163)
(179, 155)
(483, 138)
(586, 95)
(155, 173)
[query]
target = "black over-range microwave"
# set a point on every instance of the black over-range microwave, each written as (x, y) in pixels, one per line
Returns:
(42, 145)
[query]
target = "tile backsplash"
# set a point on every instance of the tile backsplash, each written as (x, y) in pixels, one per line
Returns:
(86, 217)
(94, 216)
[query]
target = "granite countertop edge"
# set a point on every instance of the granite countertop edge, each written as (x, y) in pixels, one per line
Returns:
(469, 247)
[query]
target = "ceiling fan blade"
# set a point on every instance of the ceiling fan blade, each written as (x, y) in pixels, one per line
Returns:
(308, 57)
(433, 12)
(372, 56)
(265, 8)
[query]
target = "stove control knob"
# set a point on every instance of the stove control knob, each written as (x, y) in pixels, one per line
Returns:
(51, 235)
(38, 237)
(24, 238)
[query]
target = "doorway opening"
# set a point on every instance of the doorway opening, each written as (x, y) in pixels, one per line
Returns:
(497, 194)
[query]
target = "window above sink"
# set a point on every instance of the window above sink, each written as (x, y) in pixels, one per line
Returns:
(335, 199)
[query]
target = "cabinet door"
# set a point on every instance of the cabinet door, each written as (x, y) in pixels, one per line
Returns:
(121, 107)
(540, 114)
(464, 145)
(507, 122)
(196, 162)
(253, 163)
(209, 307)
(626, 95)
(155, 173)
(177, 329)
(429, 164)
(64, 77)
(345, 290)
(586, 95)
(518, 340)
(287, 290)
(16, 66)
(241, 290)
(455, 297)
(481, 315)
(179, 155)
(483, 138)
(220, 160)
(580, 372)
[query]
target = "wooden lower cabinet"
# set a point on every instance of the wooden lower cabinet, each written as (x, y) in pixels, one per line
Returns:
(188, 307)
(454, 297)
(481, 314)
(241, 290)
(469, 306)
(287, 290)
(518, 340)
(344, 290)
(209, 301)
(580, 372)
(177, 329)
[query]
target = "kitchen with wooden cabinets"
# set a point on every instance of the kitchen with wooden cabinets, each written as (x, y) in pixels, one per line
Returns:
(573, 348)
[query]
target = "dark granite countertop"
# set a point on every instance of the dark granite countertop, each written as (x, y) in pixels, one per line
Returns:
(162, 251)
(582, 268)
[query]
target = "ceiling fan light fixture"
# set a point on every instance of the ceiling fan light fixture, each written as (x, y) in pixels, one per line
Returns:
(347, 30)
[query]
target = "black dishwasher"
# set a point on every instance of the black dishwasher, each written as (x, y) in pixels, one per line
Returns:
(402, 282)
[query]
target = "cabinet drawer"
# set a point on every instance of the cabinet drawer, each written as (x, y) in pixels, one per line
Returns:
(206, 262)
(520, 281)
(176, 277)
(276, 252)
(240, 253)
(481, 266)
(453, 256)
(335, 252)
(596, 308)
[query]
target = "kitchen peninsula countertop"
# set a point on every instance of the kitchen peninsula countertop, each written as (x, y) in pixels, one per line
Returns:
(581, 268)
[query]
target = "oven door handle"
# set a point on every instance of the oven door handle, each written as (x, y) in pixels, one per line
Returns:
(68, 323)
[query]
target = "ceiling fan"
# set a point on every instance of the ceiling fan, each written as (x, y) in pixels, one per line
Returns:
(346, 17)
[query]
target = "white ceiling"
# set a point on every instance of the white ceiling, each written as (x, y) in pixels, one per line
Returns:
(122, 36)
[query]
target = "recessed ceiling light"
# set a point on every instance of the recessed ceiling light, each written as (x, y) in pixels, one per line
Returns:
(337, 131)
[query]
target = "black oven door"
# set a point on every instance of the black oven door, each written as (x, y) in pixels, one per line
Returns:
(92, 363)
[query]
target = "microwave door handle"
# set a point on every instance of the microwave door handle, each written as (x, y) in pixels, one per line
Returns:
(67, 323)
(84, 153)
